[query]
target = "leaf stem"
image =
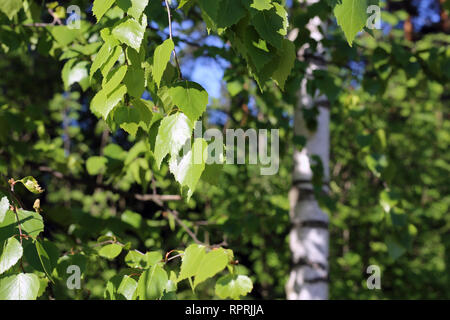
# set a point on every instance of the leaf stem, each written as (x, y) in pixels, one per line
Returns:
(18, 223)
(20, 235)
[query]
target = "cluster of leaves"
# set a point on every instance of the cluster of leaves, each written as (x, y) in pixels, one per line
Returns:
(128, 65)
(27, 265)
(155, 283)
(257, 31)
(17, 224)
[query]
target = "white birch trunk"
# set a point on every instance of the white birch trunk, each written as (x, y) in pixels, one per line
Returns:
(309, 237)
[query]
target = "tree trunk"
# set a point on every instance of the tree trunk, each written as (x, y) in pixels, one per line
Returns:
(309, 237)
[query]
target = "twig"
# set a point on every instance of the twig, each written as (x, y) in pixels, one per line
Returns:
(98, 244)
(180, 222)
(56, 20)
(169, 15)
(18, 223)
(38, 24)
(174, 257)
(156, 198)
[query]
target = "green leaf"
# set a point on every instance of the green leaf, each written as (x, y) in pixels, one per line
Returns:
(8, 227)
(43, 283)
(351, 15)
(4, 207)
(139, 114)
(75, 73)
(171, 285)
(48, 256)
(111, 61)
(183, 3)
(230, 12)
(160, 60)
(10, 252)
(102, 104)
(98, 103)
(22, 286)
(100, 7)
(136, 259)
(152, 283)
(41, 255)
(10, 7)
(261, 4)
(153, 257)
(233, 286)
(130, 32)
(113, 100)
(127, 287)
(100, 58)
(287, 57)
(63, 35)
(271, 24)
(137, 7)
(96, 165)
(135, 81)
(132, 218)
(210, 11)
(106, 35)
(193, 256)
(110, 251)
(257, 49)
(31, 184)
(113, 81)
(164, 98)
(212, 263)
(189, 168)
(173, 133)
(190, 97)
(32, 222)
(120, 288)
(112, 285)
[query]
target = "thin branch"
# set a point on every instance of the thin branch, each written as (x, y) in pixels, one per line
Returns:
(169, 15)
(180, 222)
(174, 257)
(56, 19)
(18, 223)
(38, 24)
(98, 244)
(156, 198)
